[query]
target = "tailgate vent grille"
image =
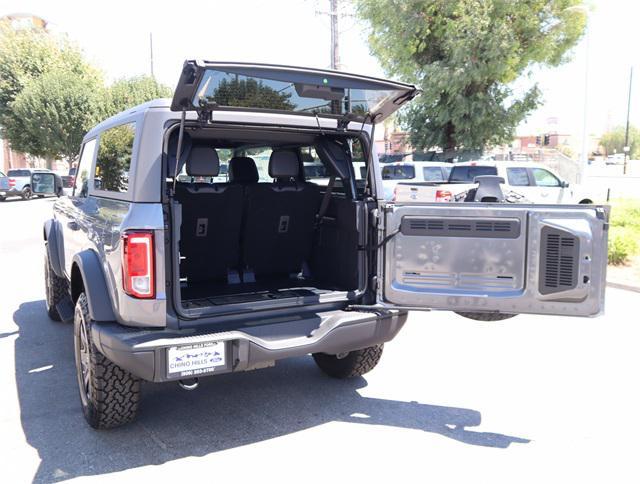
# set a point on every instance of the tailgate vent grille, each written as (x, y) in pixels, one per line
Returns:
(558, 261)
(461, 227)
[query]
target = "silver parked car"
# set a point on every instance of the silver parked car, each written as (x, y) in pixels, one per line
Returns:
(171, 275)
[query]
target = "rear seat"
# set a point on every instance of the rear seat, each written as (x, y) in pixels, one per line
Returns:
(211, 221)
(280, 219)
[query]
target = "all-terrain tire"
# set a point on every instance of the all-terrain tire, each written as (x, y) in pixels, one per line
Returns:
(109, 394)
(355, 363)
(485, 316)
(56, 288)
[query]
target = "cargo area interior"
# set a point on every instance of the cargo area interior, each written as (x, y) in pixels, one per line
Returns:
(266, 217)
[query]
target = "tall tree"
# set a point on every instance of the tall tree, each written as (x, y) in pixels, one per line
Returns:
(55, 111)
(126, 93)
(466, 55)
(32, 59)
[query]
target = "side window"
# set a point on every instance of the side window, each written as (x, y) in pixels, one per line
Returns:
(545, 178)
(114, 158)
(81, 171)
(518, 177)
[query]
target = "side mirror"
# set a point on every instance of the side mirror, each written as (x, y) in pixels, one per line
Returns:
(564, 184)
(43, 183)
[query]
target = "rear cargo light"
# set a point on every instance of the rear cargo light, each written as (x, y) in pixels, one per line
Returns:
(12, 182)
(443, 196)
(138, 265)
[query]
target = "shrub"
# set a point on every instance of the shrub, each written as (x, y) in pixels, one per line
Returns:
(623, 243)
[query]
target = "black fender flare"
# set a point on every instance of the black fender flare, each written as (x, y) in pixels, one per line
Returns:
(55, 246)
(95, 287)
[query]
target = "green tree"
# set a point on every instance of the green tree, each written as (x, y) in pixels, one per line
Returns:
(465, 55)
(126, 93)
(32, 60)
(55, 111)
(613, 141)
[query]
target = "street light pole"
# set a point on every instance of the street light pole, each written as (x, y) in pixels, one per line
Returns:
(626, 131)
(583, 152)
(335, 53)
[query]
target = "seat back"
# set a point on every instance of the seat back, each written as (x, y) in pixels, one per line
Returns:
(280, 219)
(211, 220)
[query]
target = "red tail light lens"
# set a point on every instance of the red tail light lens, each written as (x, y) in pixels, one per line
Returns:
(138, 265)
(443, 196)
(12, 182)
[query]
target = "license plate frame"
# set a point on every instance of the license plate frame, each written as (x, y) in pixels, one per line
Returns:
(192, 360)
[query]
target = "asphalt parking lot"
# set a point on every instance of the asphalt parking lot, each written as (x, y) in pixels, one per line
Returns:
(531, 399)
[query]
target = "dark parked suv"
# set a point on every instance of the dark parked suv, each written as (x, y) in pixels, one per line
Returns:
(170, 274)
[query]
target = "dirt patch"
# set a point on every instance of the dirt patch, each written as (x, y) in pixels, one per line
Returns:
(627, 274)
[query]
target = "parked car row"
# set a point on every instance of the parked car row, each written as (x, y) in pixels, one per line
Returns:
(534, 182)
(20, 182)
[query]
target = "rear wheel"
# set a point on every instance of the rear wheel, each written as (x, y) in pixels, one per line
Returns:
(109, 394)
(351, 364)
(486, 316)
(26, 193)
(56, 288)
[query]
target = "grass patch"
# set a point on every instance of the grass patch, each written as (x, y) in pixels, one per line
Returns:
(624, 233)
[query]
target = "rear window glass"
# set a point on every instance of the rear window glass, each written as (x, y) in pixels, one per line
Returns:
(398, 172)
(433, 174)
(288, 91)
(114, 158)
(18, 173)
(466, 174)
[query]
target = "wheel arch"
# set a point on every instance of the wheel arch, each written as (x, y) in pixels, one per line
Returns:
(87, 276)
(586, 201)
(54, 246)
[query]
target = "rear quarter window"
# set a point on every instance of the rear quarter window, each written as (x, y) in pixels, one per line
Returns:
(114, 158)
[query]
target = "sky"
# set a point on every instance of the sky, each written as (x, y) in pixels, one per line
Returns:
(115, 35)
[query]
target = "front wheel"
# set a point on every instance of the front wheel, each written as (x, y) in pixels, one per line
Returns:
(351, 364)
(109, 394)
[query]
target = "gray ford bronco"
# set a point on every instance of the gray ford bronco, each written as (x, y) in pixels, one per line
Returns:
(227, 228)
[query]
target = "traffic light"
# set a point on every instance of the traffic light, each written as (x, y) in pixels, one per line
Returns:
(546, 139)
(537, 140)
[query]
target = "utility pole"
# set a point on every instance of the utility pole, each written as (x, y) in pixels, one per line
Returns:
(626, 147)
(151, 52)
(335, 53)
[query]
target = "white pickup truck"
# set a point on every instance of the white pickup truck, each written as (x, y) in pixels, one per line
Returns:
(536, 183)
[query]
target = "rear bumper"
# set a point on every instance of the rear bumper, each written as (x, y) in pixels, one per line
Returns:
(144, 352)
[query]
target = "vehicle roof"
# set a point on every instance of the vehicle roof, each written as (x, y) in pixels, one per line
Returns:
(153, 104)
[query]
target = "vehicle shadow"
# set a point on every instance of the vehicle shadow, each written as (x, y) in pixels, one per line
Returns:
(225, 412)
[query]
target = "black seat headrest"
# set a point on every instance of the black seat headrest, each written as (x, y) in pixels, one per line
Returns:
(242, 169)
(203, 161)
(284, 164)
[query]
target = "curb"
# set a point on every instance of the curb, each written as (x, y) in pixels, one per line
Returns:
(626, 287)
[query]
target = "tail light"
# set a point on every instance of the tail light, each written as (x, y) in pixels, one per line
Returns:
(138, 265)
(12, 182)
(443, 196)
